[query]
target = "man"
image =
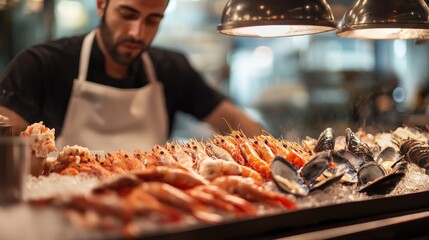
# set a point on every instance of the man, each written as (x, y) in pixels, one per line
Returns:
(109, 90)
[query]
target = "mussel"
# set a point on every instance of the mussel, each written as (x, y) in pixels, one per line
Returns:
(355, 145)
(354, 160)
(301, 182)
(286, 177)
(332, 175)
(374, 180)
(321, 164)
(326, 141)
(316, 166)
(343, 159)
(369, 172)
(389, 159)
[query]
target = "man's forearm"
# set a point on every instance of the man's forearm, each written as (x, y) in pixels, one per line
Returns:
(227, 117)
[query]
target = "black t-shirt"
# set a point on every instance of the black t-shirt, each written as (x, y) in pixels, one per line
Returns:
(37, 84)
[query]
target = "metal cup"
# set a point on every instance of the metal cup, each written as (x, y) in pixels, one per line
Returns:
(15, 155)
(5, 129)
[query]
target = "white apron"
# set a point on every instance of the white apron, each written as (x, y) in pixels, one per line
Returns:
(105, 118)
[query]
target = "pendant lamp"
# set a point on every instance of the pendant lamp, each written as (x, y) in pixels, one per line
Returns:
(276, 18)
(386, 19)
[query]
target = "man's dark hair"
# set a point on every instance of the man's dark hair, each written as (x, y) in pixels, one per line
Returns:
(107, 4)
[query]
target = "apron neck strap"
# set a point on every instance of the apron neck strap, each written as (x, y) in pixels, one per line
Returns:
(148, 66)
(85, 54)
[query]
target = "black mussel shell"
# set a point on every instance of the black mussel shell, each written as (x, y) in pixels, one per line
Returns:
(358, 147)
(337, 174)
(388, 158)
(400, 166)
(388, 154)
(354, 160)
(316, 166)
(373, 180)
(382, 185)
(326, 141)
(287, 178)
(369, 172)
(350, 175)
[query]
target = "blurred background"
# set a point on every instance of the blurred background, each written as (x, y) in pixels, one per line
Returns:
(294, 86)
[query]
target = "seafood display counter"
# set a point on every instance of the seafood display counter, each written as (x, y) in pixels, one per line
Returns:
(367, 219)
(232, 187)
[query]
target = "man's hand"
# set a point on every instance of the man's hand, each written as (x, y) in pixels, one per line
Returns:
(227, 115)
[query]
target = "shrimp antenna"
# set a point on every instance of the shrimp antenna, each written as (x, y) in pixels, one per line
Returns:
(210, 141)
(267, 133)
(201, 142)
(228, 124)
(215, 132)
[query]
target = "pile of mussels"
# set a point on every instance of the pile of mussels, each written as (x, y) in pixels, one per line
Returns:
(374, 166)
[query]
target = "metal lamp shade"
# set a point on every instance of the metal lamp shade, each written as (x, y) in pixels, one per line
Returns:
(276, 18)
(386, 19)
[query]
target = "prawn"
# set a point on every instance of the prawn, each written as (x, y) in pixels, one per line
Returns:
(223, 200)
(211, 168)
(130, 162)
(247, 189)
(298, 156)
(248, 172)
(72, 161)
(208, 199)
(103, 205)
(245, 171)
(180, 155)
(148, 159)
(173, 176)
(114, 164)
(121, 184)
(263, 149)
(219, 152)
(143, 203)
(225, 143)
(274, 145)
(252, 158)
(166, 158)
(178, 198)
(283, 150)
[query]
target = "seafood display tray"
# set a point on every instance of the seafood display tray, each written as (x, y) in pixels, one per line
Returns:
(309, 219)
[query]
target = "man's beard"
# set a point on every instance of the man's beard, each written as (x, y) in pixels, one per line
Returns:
(112, 47)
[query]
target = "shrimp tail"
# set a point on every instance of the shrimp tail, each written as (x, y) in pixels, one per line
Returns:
(203, 214)
(248, 172)
(246, 207)
(172, 215)
(285, 202)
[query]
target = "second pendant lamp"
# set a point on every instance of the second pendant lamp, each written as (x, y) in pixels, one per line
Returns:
(276, 18)
(386, 19)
